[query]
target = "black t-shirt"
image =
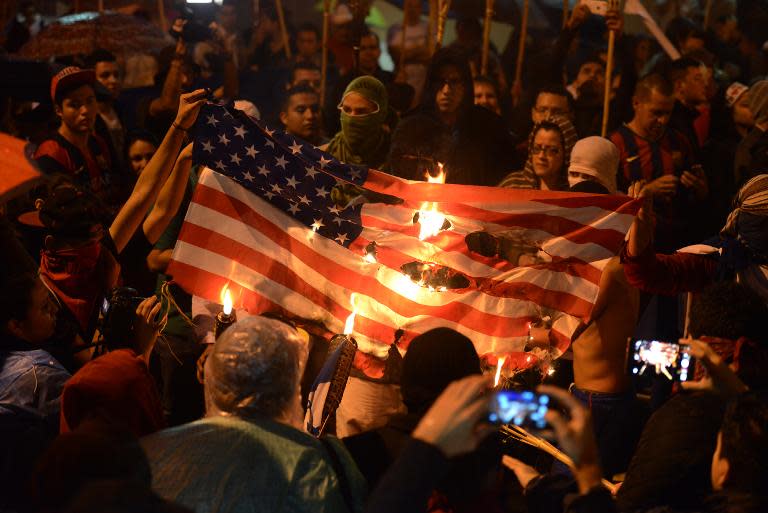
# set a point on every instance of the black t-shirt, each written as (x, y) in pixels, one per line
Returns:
(133, 264)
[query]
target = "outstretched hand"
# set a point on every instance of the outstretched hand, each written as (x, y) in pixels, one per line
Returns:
(721, 377)
(579, 15)
(664, 187)
(696, 180)
(640, 234)
(614, 21)
(189, 108)
(453, 423)
(575, 436)
(147, 325)
(524, 473)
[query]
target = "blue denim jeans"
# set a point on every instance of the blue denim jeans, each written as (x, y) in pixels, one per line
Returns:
(618, 421)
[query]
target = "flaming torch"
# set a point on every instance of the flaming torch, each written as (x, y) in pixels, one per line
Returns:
(349, 327)
(338, 364)
(227, 316)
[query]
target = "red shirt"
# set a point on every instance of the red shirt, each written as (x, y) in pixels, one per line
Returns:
(641, 158)
(90, 170)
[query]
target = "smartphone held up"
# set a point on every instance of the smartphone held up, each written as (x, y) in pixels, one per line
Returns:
(659, 358)
(522, 408)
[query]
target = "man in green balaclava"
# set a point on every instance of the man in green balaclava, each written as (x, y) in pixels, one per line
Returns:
(365, 133)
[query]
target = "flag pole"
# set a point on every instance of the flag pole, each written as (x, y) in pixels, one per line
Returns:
(324, 61)
(161, 15)
(101, 6)
(566, 8)
(486, 36)
(707, 13)
(401, 60)
(517, 85)
(445, 6)
(283, 29)
(612, 5)
(432, 26)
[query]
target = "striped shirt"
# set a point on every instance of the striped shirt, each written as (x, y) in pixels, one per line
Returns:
(641, 158)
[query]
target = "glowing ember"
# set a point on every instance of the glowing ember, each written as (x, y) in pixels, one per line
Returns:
(407, 287)
(551, 371)
(499, 365)
(430, 219)
(349, 326)
(226, 300)
(439, 177)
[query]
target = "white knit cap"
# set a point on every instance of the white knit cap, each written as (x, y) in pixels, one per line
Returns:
(597, 157)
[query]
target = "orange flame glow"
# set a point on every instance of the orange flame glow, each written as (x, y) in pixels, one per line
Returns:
(226, 300)
(349, 326)
(499, 365)
(439, 177)
(430, 219)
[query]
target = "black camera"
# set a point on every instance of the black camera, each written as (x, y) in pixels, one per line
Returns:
(196, 28)
(118, 315)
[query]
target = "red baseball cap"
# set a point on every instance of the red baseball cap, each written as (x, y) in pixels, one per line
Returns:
(69, 77)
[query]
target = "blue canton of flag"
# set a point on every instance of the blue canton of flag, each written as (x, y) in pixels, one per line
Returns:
(289, 173)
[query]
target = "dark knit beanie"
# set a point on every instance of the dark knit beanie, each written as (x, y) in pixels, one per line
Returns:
(433, 360)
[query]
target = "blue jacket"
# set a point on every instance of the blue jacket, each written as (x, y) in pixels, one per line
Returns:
(32, 379)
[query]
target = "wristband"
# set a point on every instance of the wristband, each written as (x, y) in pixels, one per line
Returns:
(179, 127)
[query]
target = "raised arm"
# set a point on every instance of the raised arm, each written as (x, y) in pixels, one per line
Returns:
(172, 84)
(148, 185)
(170, 197)
(657, 273)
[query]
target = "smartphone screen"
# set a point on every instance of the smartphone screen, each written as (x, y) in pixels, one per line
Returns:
(525, 409)
(655, 357)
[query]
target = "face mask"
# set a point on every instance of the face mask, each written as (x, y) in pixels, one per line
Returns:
(74, 261)
(361, 131)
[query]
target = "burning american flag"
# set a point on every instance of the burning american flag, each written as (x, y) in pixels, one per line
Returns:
(287, 227)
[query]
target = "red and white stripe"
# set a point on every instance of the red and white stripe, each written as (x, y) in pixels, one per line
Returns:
(270, 261)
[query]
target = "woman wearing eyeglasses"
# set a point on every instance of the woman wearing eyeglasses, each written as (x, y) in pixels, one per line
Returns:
(549, 152)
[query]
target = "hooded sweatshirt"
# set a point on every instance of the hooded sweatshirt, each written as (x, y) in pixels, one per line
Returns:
(480, 142)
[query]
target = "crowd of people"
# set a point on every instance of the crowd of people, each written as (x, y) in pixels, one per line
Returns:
(112, 399)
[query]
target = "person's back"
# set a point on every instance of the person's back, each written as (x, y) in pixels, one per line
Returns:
(600, 350)
(433, 360)
(249, 453)
(673, 455)
(229, 464)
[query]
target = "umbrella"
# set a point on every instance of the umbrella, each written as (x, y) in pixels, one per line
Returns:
(82, 33)
(18, 173)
